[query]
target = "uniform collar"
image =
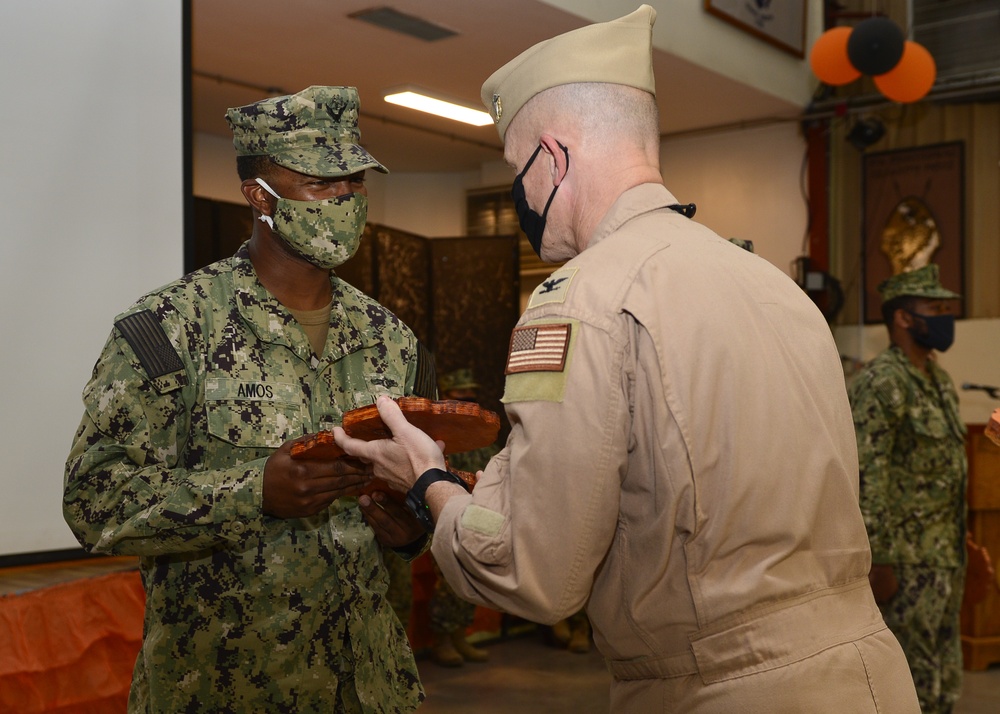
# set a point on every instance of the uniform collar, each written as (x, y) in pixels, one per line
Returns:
(931, 376)
(937, 383)
(273, 323)
(636, 201)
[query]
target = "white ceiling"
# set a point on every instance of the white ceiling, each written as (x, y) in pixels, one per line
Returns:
(243, 48)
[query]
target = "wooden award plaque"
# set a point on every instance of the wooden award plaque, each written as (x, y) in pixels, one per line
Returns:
(462, 426)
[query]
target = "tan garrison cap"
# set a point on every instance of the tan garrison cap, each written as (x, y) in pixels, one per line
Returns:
(314, 132)
(922, 283)
(616, 52)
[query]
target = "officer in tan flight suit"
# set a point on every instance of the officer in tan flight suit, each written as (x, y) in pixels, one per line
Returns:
(682, 457)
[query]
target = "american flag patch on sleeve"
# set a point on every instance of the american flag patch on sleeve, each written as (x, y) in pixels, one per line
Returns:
(538, 348)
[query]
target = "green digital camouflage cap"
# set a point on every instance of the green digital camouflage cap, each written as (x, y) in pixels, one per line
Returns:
(743, 243)
(459, 379)
(314, 132)
(922, 283)
(616, 52)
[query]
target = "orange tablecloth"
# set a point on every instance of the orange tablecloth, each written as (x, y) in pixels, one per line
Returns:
(71, 647)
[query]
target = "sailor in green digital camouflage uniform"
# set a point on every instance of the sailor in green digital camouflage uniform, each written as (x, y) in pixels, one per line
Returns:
(264, 580)
(913, 479)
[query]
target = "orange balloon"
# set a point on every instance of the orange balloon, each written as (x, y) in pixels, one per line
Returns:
(829, 60)
(912, 78)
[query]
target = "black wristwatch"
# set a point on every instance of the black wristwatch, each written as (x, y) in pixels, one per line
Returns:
(415, 496)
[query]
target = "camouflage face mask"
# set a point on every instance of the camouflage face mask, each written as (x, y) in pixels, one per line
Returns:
(325, 233)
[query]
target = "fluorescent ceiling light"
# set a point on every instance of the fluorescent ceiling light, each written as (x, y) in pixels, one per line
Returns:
(448, 110)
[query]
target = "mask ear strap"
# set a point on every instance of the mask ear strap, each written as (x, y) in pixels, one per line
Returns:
(267, 188)
(530, 162)
(262, 218)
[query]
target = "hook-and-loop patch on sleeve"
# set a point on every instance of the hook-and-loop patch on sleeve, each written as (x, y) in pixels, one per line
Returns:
(425, 380)
(538, 361)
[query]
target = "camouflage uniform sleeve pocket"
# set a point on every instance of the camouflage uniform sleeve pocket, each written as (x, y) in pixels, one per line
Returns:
(112, 410)
(118, 399)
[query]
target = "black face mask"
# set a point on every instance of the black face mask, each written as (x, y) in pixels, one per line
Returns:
(531, 223)
(936, 333)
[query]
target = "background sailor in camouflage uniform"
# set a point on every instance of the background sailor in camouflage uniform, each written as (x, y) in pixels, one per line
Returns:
(450, 615)
(913, 479)
(264, 580)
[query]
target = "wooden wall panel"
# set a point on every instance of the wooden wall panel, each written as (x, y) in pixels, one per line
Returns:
(977, 125)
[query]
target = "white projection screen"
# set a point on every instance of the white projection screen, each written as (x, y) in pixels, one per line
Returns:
(92, 203)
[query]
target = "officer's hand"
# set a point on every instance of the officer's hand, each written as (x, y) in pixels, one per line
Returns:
(400, 459)
(883, 582)
(393, 523)
(296, 488)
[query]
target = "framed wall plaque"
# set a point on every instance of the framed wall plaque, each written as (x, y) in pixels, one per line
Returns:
(913, 205)
(781, 23)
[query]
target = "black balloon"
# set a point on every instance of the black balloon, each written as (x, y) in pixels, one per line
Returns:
(875, 45)
(865, 133)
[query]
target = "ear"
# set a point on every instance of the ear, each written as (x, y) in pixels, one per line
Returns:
(899, 328)
(902, 319)
(559, 157)
(257, 197)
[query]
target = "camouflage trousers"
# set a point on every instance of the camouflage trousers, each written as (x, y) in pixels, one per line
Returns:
(448, 611)
(924, 617)
(400, 592)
